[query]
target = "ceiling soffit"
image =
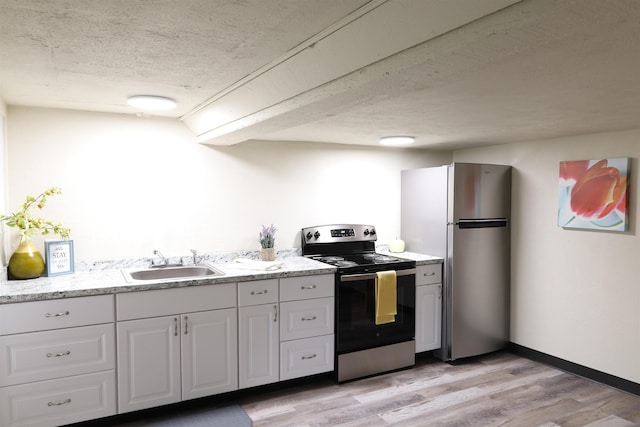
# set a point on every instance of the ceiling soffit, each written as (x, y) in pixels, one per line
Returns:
(325, 64)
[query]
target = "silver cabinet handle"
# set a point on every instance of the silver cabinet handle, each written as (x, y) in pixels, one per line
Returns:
(64, 402)
(309, 318)
(175, 324)
(309, 357)
(64, 353)
(186, 325)
(433, 273)
(262, 292)
(62, 313)
(307, 287)
(275, 318)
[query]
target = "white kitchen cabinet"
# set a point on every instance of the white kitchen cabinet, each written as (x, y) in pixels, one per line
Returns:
(286, 328)
(304, 357)
(55, 314)
(58, 402)
(306, 318)
(53, 354)
(209, 353)
(57, 361)
(148, 363)
(306, 325)
(181, 356)
(429, 274)
(59, 364)
(258, 333)
(306, 287)
(428, 307)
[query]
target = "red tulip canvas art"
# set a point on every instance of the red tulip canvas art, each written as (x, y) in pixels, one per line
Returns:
(593, 194)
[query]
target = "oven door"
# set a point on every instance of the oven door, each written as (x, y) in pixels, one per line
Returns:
(355, 312)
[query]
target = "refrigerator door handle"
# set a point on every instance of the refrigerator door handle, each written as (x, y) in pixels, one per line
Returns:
(482, 223)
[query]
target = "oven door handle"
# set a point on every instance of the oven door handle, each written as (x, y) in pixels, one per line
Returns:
(368, 276)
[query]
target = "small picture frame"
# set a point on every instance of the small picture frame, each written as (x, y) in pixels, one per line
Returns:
(59, 257)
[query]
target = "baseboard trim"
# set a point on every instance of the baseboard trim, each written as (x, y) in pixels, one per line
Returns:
(574, 368)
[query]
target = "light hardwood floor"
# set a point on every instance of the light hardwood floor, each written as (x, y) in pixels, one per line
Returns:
(500, 389)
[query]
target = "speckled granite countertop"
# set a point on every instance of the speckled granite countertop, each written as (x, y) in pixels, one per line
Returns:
(107, 278)
(420, 259)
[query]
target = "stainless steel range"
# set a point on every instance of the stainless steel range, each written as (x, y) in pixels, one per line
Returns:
(363, 346)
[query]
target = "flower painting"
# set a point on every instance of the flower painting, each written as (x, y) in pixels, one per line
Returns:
(593, 194)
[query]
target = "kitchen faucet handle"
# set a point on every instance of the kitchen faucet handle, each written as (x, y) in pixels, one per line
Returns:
(163, 259)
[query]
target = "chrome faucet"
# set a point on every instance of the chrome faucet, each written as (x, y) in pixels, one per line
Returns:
(195, 256)
(163, 259)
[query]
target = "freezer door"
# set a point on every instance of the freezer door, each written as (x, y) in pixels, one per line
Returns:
(477, 290)
(479, 191)
(423, 210)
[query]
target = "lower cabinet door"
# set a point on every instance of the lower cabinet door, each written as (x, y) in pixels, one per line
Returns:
(259, 349)
(60, 401)
(148, 363)
(308, 356)
(209, 353)
(428, 317)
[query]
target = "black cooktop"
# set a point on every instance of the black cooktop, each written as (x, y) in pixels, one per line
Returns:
(367, 261)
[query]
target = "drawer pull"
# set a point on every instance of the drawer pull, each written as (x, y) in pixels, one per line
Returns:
(262, 292)
(432, 273)
(309, 357)
(64, 353)
(64, 402)
(309, 318)
(304, 288)
(62, 313)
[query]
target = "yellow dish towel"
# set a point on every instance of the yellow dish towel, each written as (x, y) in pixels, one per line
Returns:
(386, 304)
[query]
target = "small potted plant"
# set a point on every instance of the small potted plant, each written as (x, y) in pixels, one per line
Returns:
(267, 241)
(26, 262)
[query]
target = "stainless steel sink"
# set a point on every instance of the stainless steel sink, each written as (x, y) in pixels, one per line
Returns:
(163, 274)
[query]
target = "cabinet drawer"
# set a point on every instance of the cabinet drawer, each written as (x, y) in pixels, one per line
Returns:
(257, 292)
(165, 302)
(428, 274)
(305, 287)
(310, 356)
(54, 354)
(55, 314)
(58, 402)
(306, 318)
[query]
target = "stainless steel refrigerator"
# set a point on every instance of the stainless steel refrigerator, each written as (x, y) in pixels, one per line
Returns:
(461, 212)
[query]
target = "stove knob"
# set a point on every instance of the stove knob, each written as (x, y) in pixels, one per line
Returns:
(309, 235)
(366, 231)
(373, 232)
(316, 234)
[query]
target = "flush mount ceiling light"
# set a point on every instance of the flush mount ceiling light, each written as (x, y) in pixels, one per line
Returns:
(396, 141)
(151, 102)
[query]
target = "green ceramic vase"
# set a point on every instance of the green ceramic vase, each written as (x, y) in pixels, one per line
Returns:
(26, 262)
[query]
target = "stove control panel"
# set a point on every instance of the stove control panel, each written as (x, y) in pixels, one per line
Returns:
(338, 233)
(343, 232)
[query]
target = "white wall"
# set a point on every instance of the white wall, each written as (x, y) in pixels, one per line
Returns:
(3, 174)
(575, 294)
(132, 185)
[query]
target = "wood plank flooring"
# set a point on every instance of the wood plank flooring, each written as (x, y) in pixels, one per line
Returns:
(500, 389)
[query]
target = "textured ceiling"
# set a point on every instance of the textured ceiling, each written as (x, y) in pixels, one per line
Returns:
(502, 73)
